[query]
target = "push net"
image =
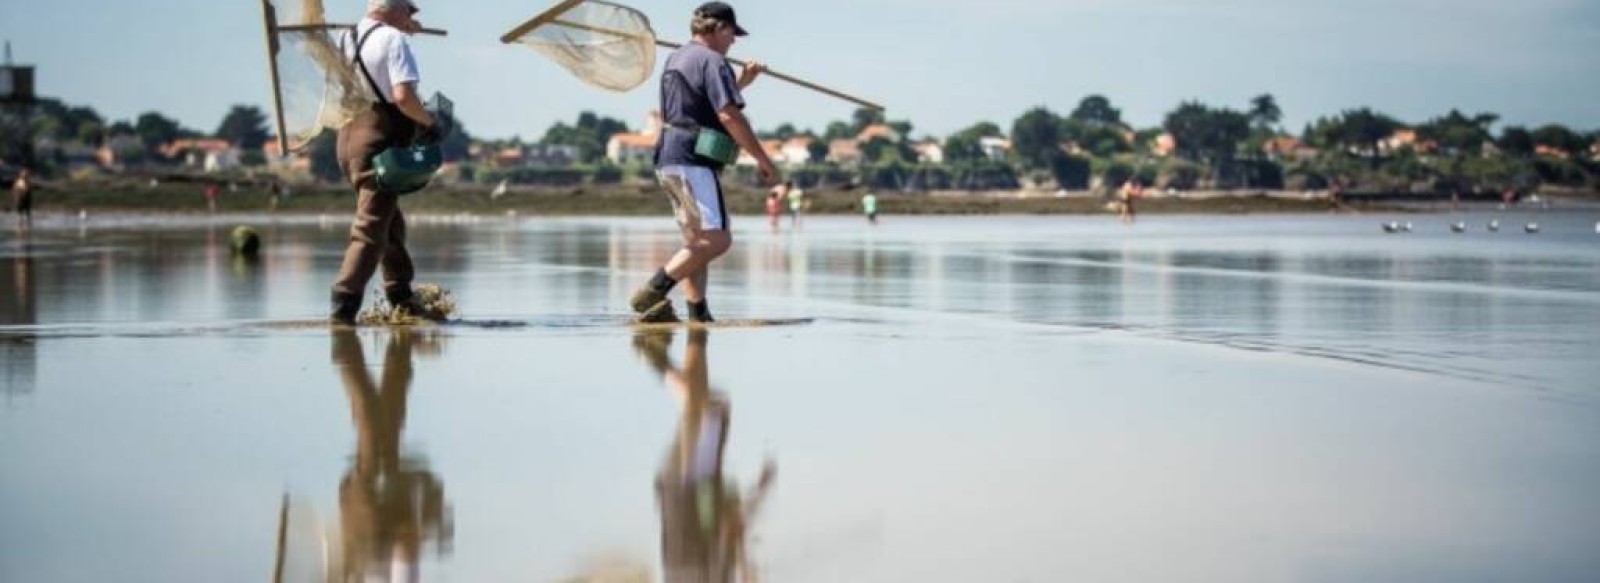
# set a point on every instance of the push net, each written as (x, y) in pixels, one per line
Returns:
(604, 44)
(317, 89)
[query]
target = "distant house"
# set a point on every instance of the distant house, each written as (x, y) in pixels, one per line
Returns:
(929, 151)
(1594, 150)
(995, 148)
(631, 148)
(115, 150)
(277, 161)
(1550, 151)
(77, 155)
(1281, 147)
(844, 152)
(796, 151)
(877, 130)
(625, 148)
(207, 154)
(774, 149)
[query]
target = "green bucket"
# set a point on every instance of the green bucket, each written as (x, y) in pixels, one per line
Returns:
(407, 170)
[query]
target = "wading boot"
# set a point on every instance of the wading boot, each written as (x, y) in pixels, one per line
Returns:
(652, 306)
(345, 308)
(700, 312)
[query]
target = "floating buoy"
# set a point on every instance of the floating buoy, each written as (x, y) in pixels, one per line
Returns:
(1531, 228)
(246, 242)
(1494, 226)
(1458, 227)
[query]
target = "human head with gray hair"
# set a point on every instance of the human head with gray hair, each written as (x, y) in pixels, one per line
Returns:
(388, 5)
(400, 14)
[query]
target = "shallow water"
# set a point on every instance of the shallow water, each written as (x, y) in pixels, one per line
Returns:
(964, 399)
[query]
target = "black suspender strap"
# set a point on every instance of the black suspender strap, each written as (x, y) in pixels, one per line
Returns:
(361, 64)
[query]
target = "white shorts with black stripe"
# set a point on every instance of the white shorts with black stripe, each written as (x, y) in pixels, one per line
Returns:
(696, 195)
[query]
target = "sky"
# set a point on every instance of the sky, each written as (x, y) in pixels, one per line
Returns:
(941, 64)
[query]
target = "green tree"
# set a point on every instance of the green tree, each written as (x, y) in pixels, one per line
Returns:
(1035, 135)
(1516, 141)
(1264, 111)
(1207, 135)
(589, 135)
(966, 145)
(838, 131)
(784, 132)
(244, 126)
(881, 150)
(1560, 137)
(1096, 110)
(1100, 140)
(157, 130)
(864, 117)
(1070, 172)
(1355, 130)
(817, 150)
(1457, 133)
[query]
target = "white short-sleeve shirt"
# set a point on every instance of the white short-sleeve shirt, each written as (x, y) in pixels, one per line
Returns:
(387, 55)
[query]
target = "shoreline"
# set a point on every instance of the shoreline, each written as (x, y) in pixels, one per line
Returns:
(647, 200)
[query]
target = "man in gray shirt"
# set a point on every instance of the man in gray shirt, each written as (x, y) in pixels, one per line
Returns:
(700, 102)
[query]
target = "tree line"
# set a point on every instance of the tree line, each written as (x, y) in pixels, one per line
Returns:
(1196, 145)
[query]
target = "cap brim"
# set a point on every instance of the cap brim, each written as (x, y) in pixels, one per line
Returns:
(740, 31)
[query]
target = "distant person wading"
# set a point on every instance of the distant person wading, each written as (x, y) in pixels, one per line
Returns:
(22, 197)
(703, 113)
(378, 233)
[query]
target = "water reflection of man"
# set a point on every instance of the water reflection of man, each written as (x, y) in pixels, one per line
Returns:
(704, 518)
(390, 504)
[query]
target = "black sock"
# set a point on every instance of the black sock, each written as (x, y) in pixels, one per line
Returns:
(700, 311)
(661, 282)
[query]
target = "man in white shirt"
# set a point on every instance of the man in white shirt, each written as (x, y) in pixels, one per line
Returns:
(388, 68)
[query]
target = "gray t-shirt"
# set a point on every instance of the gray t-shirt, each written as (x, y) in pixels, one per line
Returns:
(695, 84)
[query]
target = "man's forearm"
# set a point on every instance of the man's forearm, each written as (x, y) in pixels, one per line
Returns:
(739, 129)
(405, 98)
(413, 109)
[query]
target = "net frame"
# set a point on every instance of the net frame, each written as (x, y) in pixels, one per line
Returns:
(552, 16)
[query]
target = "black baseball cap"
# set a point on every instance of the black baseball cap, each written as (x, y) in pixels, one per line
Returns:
(721, 11)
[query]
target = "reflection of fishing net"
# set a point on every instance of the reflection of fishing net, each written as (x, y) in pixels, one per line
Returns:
(307, 550)
(606, 45)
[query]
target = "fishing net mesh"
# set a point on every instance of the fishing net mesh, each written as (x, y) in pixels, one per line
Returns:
(320, 90)
(606, 45)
